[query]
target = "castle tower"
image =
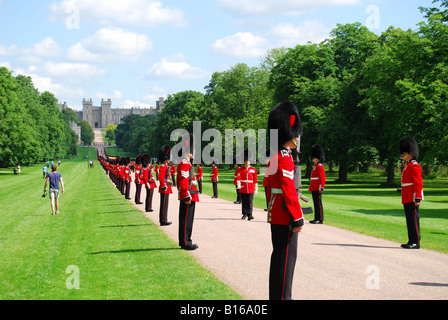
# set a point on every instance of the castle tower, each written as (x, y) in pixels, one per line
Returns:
(87, 108)
(106, 113)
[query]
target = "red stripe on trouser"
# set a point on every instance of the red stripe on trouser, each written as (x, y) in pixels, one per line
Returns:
(163, 212)
(416, 225)
(185, 228)
(286, 263)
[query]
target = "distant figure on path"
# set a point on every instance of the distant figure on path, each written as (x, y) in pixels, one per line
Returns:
(55, 179)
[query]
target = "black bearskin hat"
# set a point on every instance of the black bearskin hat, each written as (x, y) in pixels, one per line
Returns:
(138, 160)
(164, 153)
(286, 119)
(409, 145)
(317, 152)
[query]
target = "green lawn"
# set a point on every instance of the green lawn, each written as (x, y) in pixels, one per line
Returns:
(365, 206)
(119, 253)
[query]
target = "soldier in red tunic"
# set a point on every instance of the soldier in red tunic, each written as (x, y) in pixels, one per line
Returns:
(317, 183)
(165, 188)
(247, 185)
(138, 186)
(127, 178)
(188, 194)
(199, 177)
(284, 212)
(214, 180)
(148, 182)
(411, 190)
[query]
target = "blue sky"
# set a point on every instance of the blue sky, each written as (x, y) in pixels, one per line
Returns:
(136, 51)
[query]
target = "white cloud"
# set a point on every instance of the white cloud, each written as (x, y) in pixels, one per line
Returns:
(43, 84)
(46, 48)
(175, 67)
(285, 7)
(240, 45)
(290, 35)
(72, 70)
(110, 43)
(139, 13)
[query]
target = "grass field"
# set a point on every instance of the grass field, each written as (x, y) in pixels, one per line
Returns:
(116, 251)
(367, 207)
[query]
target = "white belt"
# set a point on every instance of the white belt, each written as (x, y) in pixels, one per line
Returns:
(407, 184)
(314, 178)
(248, 181)
(276, 191)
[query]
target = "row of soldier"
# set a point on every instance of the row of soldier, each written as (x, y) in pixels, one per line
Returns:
(285, 213)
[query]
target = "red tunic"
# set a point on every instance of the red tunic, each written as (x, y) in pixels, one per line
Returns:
(317, 178)
(199, 173)
(215, 174)
(284, 201)
(411, 182)
(248, 178)
(187, 190)
(164, 179)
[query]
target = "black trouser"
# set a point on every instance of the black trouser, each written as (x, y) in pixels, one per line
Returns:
(200, 186)
(247, 203)
(283, 261)
(238, 194)
(412, 213)
(215, 189)
(318, 209)
(186, 218)
(148, 201)
(163, 212)
(138, 190)
(128, 189)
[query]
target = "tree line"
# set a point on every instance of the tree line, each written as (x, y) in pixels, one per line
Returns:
(357, 92)
(32, 128)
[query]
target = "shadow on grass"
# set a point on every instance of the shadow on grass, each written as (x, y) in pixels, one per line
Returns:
(127, 225)
(424, 213)
(134, 250)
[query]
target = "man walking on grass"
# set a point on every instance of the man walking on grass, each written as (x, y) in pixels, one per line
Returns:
(55, 179)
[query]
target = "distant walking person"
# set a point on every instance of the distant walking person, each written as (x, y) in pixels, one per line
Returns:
(411, 190)
(55, 179)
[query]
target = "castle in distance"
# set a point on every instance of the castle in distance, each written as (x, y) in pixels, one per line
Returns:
(102, 116)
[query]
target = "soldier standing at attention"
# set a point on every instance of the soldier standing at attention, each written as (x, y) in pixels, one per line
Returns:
(237, 182)
(127, 178)
(138, 186)
(199, 177)
(188, 194)
(215, 180)
(165, 188)
(248, 186)
(284, 212)
(148, 182)
(317, 183)
(411, 190)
